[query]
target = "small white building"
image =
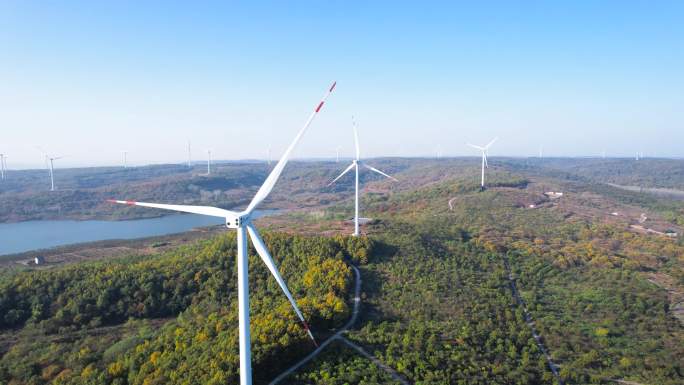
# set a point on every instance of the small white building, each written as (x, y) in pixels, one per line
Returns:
(39, 260)
(553, 194)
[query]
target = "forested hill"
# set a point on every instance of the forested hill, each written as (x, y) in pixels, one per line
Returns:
(171, 318)
(645, 172)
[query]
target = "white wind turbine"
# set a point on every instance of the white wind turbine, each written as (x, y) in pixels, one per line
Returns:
(49, 164)
(484, 158)
(208, 162)
(3, 165)
(189, 155)
(52, 159)
(355, 165)
(125, 158)
(242, 222)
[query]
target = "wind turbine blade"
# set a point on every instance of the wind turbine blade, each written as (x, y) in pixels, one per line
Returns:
(379, 172)
(356, 139)
(202, 210)
(475, 147)
(346, 170)
(492, 142)
(266, 188)
(266, 257)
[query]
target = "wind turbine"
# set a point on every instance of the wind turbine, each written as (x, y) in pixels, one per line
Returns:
(337, 155)
(52, 159)
(484, 158)
(242, 222)
(208, 162)
(49, 164)
(3, 165)
(189, 155)
(355, 165)
(125, 155)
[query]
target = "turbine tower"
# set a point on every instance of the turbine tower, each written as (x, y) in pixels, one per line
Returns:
(3, 165)
(484, 158)
(50, 166)
(189, 155)
(355, 165)
(337, 154)
(125, 156)
(242, 222)
(208, 162)
(51, 160)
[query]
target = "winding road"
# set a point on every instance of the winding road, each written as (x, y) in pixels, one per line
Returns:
(338, 335)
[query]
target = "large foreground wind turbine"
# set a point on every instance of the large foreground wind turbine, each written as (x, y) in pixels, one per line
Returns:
(484, 158)
(242, 222)
(355, 165)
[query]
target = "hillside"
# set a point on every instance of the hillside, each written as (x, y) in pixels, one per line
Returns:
(460, 286)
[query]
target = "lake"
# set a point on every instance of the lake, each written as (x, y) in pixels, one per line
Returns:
(34, 235)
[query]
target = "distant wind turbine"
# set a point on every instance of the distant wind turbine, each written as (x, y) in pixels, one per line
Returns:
(242, 222)
(50, 165)
(208, 162)
(3, 165)
(484, 158)
(125, 156)
(337, 155)
(189, 155)
(355, 165)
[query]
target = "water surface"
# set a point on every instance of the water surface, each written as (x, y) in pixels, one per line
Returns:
(34, 235)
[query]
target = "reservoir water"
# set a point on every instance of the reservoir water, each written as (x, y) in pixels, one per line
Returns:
(34, 235)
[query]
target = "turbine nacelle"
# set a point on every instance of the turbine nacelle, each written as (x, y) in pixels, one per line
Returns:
(238, 220)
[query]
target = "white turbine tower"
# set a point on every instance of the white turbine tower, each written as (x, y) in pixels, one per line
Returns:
(50, 166)
(241, 221)
(3, 165)
(208, 162)
(189, 155)
(51, 160)
(484, 158)
(355, 165)
(125, 158)
(337, 155)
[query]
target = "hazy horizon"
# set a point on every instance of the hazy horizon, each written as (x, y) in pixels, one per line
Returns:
(88, 81)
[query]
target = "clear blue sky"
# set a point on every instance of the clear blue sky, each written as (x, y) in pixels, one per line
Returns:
(89, 80)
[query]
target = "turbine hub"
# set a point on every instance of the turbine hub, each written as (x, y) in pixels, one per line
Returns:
(236, 221)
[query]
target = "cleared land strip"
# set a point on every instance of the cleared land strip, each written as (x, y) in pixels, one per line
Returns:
(530, 323)
(376, 361)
